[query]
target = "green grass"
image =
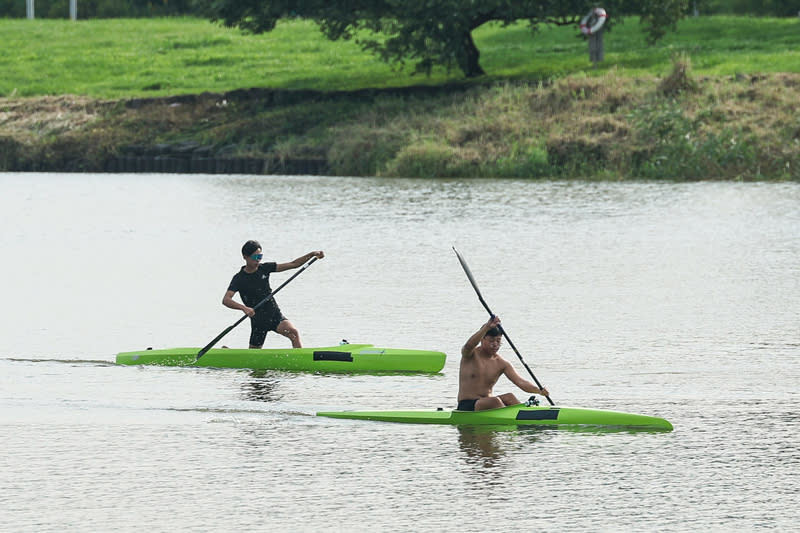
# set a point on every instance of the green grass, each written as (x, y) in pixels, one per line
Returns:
(121, 58)
(156, 57)
(720, 45)
(716, 100)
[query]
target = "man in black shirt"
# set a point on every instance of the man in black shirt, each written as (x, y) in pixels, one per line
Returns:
(252, 284)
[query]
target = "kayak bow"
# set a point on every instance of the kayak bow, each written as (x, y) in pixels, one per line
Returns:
(513, 415)
(343, 358)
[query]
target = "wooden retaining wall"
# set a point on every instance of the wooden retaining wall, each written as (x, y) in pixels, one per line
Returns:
(215, 165)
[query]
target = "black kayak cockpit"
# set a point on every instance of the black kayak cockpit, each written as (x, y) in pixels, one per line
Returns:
(322, 355)
(538, 414)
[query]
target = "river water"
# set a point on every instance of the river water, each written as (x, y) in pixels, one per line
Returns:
(676, 300)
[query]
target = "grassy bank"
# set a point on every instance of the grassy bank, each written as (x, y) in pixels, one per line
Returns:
(717, 100)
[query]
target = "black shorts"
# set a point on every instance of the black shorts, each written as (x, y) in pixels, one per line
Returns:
(264, 320)
(466, 405)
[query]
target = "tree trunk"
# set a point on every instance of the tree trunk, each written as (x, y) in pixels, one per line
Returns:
(468, 57)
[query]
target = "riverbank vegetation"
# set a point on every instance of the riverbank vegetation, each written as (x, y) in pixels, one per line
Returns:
(717, 99)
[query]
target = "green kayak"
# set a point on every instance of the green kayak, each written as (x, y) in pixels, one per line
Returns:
(355, 358)
(513, 415)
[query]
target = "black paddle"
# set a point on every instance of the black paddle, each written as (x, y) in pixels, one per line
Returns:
(227, 330)
(503, 331)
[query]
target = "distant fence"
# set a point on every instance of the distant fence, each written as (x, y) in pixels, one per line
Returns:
(30, 9)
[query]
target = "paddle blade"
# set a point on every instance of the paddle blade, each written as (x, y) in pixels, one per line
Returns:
(211, 344)
(467, 271)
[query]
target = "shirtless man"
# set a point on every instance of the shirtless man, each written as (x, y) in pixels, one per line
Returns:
(481, 367)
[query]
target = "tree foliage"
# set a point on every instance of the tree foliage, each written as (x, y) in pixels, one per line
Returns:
(431, 32)
(775, 8)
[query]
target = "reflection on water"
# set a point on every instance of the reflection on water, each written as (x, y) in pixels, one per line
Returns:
(481, 445)
(486, 446)
(262, 386)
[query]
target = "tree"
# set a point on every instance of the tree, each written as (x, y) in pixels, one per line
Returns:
(779, 8)
(430, 32)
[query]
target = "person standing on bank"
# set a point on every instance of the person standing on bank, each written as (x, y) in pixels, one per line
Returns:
(252, 284)
(481, 367)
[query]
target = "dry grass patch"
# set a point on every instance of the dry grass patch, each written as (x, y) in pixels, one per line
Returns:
(49, 115)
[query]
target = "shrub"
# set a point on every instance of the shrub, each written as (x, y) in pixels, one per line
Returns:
(678, 81)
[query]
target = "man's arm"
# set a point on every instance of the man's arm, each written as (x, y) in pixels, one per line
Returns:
(469, 347)
(523, 384)
(300, 261)
(228, 301)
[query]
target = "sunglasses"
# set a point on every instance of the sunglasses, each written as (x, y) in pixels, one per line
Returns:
(256, 257)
